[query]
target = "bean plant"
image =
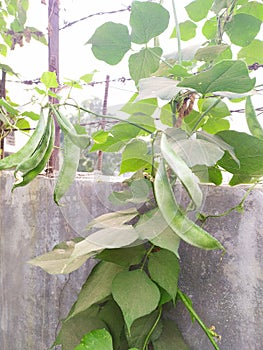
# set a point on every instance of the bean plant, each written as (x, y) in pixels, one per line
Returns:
(174, 131)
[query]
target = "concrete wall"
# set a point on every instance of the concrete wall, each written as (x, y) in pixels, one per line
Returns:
(226, 291)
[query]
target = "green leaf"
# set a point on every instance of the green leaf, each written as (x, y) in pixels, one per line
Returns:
(210, 28)
(242, 29)
(135, 294)
(198, 9)
(135, 156)
(71, 157)
(147, 20)
(187, 30)
(74, 329)
(253, 53)
(200, 152)
(248, 150)
(209, 53)
(172, 213)
(164, 270)
(227, 75)
(110, 42)
(110, 313)
(253, 8)
(114, 219)
(213, 126)
(87, 77)
(31, 115)
(179, 71)
(98, 339)
(221, 110)
(123, 256)
(181, 170)
(96, 288)
(145, 62)
(23, 124)
(66, 260)
(140, 330)
(49, 79)
(220, 4)
(158, 87)
(208, 174)
(167, 239)
(252, 121)
(170, 338)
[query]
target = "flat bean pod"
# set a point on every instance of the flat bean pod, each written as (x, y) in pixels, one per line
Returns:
(71, 156)
(14, 159)
(29, 176)
(253, 124)
(81, 141)
(186, 229)
(31, 162)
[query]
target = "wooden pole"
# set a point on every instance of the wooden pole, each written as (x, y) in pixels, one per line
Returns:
(53, 66)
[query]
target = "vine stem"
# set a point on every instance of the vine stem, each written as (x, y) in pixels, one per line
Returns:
(107, 116)
(152, 329)
(146, 256)
(194, 314)
(238, 206)
(178, 33)
(204, 114)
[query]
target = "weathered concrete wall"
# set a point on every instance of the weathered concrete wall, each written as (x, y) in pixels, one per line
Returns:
(226, 291)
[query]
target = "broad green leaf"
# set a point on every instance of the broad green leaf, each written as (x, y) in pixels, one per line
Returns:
(167, 239)
(87, 77)
(3, 48)
(187, 30)
(98, 339)
(179, 71)
(209, 53)
(23, 125)
(183, 172)
(219, 142)
(200, 152)
(62, 261)
(172, 213)
(210, 28)
(135, 107)
(147, 21)
(242, 29)
(114, 219)
(249, 151)
(71, 157)
(123, 256)
(110, 313)
(208, 174)
(7, 69)
(221, 110)
(74, 329)
(227, 75)
(253, 8)
(49, 79)
(31, 115)
(135, 156)
(153, 227)
(135, 294)
(213, 126)
(145, 62)
(241, 179)
(110, 237)
(164, 270)
(96, 288)
(252, 121)
(140, 330)
(170, 338)
(110, 42)
(158, 87)
(198, 9)
(253, 53)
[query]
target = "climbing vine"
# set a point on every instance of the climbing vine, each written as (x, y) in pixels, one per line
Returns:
(176, 130)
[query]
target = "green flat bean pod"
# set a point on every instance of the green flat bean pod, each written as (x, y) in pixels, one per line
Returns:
(82, 141)
(29, 176)
(186, 229)
(71, 156)
(14, 159)
(32, 162)
(253, 124)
